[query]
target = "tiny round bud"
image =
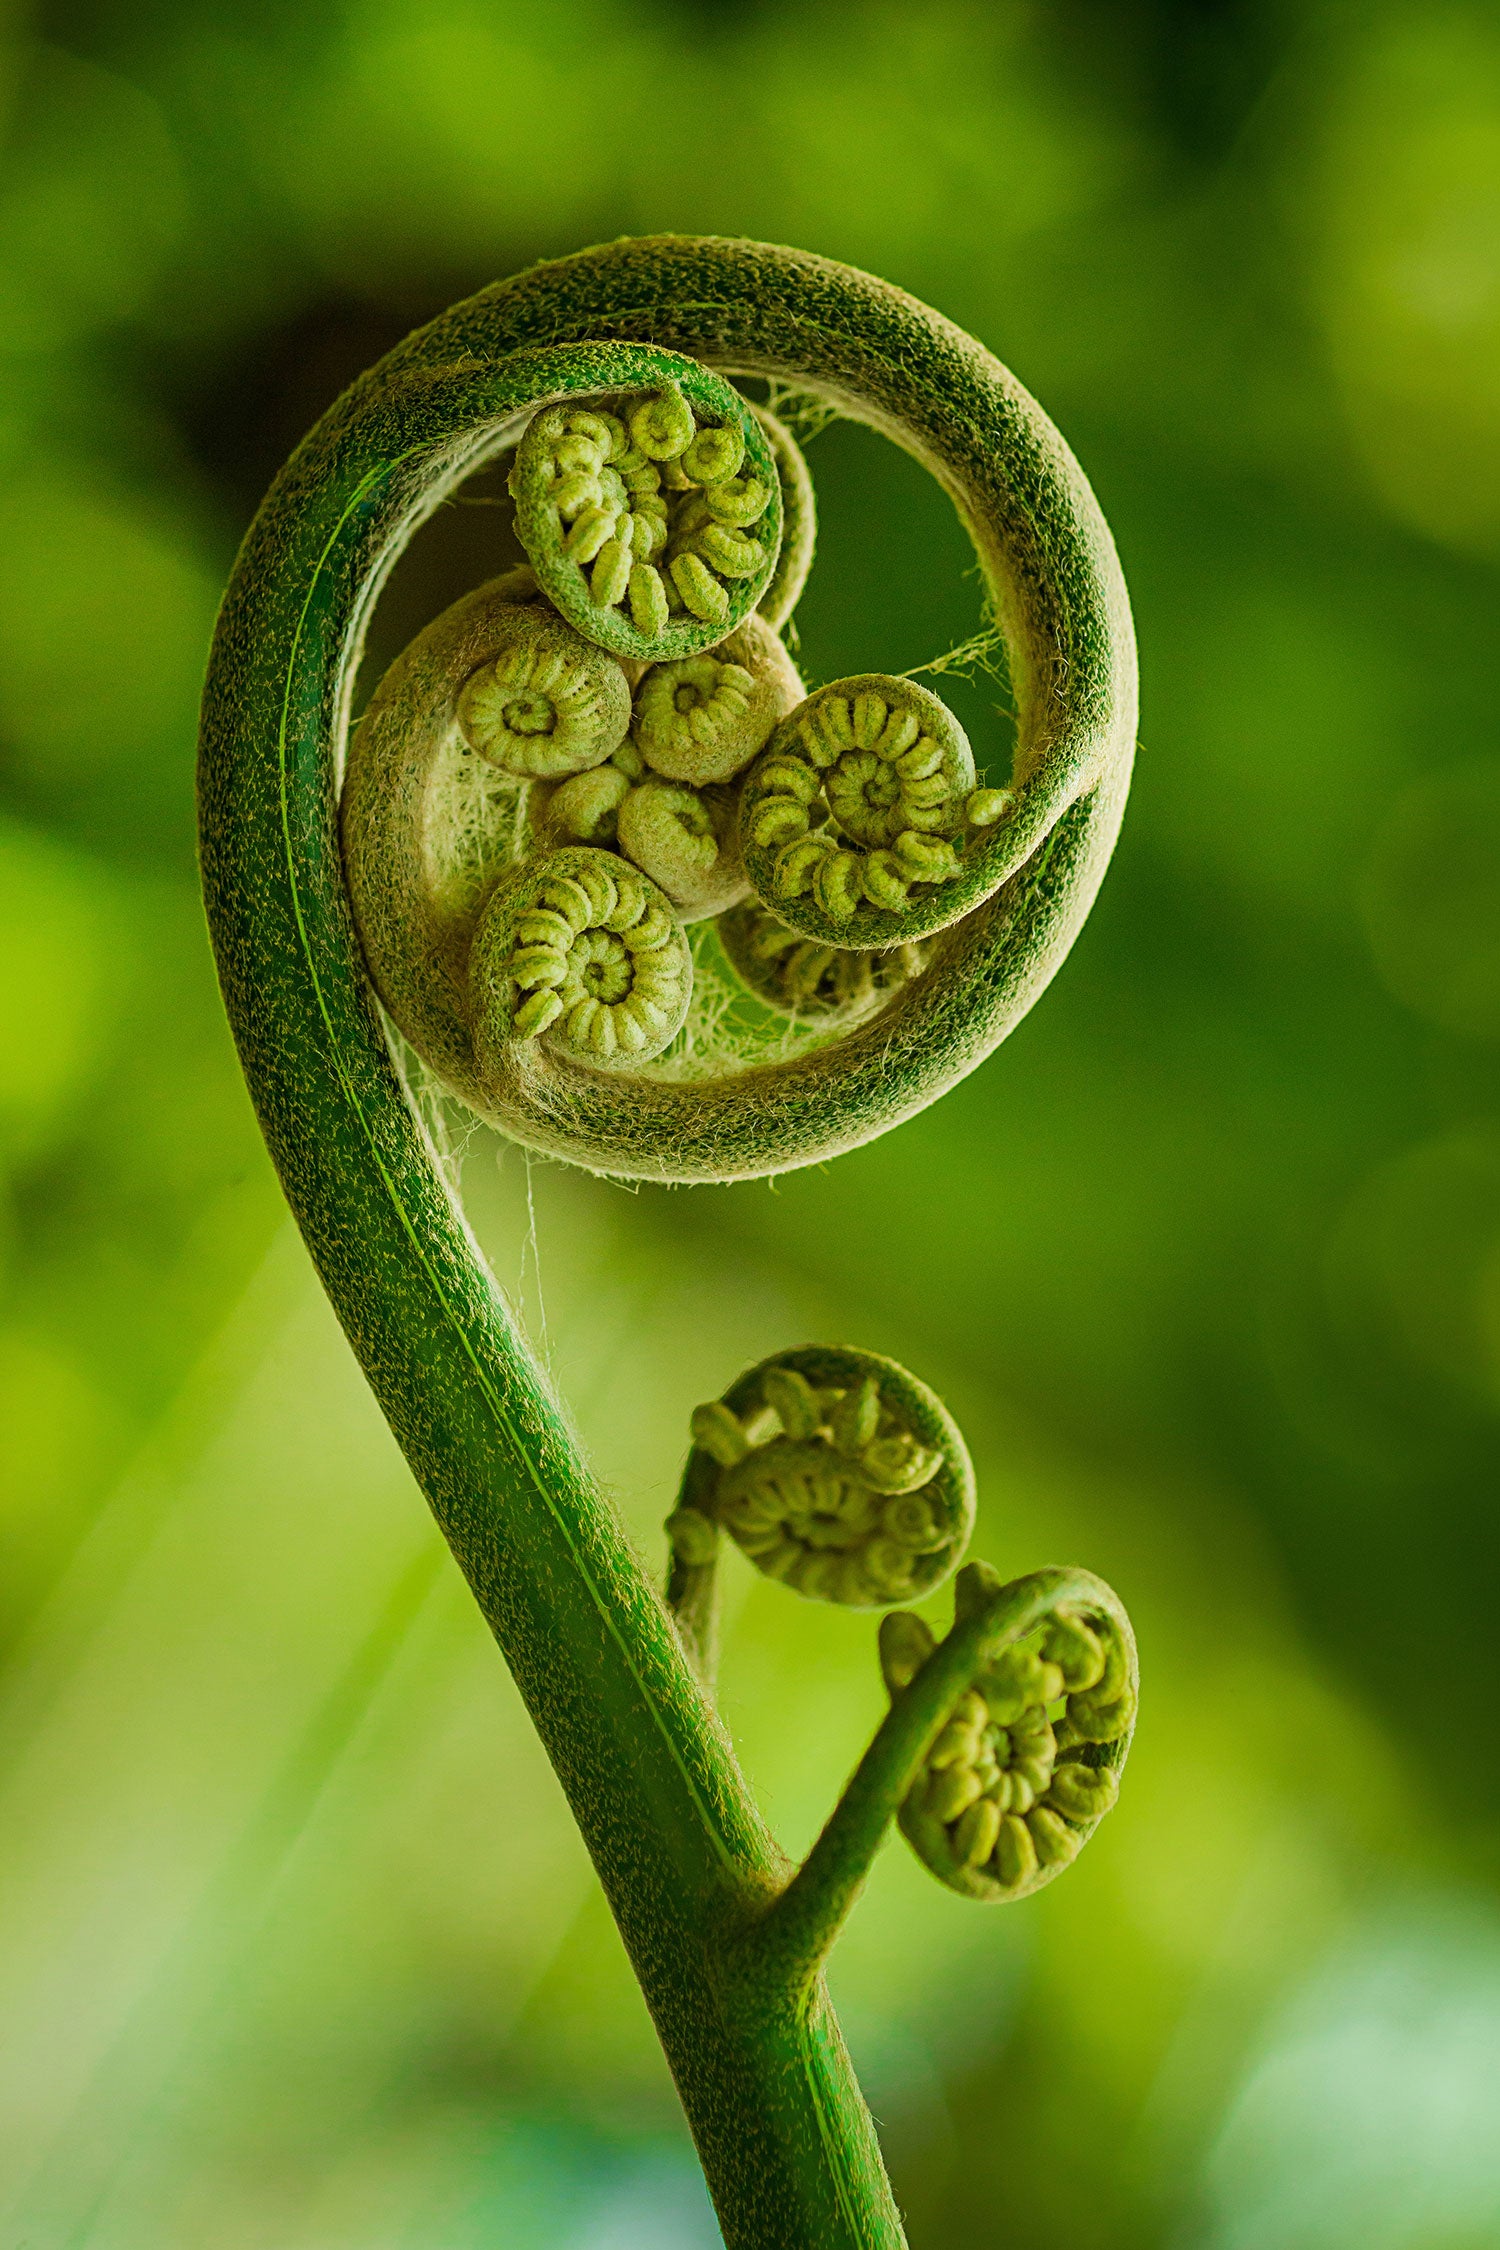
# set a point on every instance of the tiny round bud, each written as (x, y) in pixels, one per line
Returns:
(694, 1537)
(906, 1642)
(661, 427)
(719, 1432)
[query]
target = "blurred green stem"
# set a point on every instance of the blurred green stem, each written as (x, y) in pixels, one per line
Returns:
(687, 1864)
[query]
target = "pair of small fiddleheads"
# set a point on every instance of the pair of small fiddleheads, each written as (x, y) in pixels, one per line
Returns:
(457, 790)
(841, 1475)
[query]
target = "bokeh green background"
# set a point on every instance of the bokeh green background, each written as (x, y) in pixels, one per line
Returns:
(298, 1950)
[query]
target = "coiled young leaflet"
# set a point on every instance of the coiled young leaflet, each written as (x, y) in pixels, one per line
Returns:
(1029, 1760)
(855, 818)
(582, 951)
(705, 718)
(836, 1472)
(547, 702)
(653, 519)
(805, 977)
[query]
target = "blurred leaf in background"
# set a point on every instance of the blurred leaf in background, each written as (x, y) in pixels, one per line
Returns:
(298, 1949)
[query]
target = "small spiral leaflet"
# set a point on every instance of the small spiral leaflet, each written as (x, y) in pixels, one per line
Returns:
(655, 528)
(583, 951)
(1029, 1760)
(547, 702)
(854, 817)
(803, 976)
(705, 718)
(584, 809)
(835, 1472)
(687, 841)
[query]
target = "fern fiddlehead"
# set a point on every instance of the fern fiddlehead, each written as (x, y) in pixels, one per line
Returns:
(834, 1471)
(440, 881)
(1028, 1763)
(802, 976)
(982, 1718)
(581, 951)
(547, 702)
(855, 818)
(840, 1475)
(688, 841)
(704, 719)
(655, 528)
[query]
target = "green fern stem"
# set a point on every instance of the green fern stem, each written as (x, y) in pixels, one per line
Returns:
(688, 1867)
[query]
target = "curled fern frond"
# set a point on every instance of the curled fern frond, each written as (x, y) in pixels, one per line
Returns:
(836, 1472)
(653, 518)
(669, 523)
(860, 819)
(544, 978)
(547, 702)
(707, 717)
(584, 953)
(1028, 1759)
(585, 809)
(687, 841)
